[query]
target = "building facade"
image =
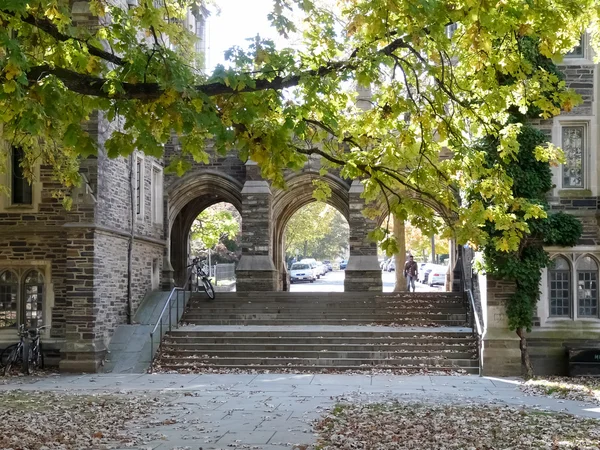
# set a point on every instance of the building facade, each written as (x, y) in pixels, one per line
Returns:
(568, 313)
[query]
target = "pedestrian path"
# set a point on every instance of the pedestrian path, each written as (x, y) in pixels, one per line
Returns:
(275, 411)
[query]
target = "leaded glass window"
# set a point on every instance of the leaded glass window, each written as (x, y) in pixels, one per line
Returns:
(9, 290)
(34, 296)
(587, 288)
(573, 144)
(560, 288)
(578, 50)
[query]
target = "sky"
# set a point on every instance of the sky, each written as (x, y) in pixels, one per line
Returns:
(239, 19)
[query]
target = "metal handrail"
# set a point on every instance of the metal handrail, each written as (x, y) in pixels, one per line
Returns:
(159, 321)
(475, 314)
(475, 318)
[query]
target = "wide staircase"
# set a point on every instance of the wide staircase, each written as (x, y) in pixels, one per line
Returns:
(322, 332)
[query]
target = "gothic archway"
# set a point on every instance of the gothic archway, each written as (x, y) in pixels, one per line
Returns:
(299, 193)
(188, 197)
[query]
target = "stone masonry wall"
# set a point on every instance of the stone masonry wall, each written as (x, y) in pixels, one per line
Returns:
(111, 278)
(581, 79)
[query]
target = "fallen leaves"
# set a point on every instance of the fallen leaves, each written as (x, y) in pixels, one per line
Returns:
(583, 389)
(44, 420)
(399, 425)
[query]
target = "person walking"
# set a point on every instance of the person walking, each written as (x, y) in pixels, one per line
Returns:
(411, 270)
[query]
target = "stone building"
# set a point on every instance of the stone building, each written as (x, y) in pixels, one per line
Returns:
(568, 313)
(84, 271)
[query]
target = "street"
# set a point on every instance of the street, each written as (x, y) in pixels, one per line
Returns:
(334, 282)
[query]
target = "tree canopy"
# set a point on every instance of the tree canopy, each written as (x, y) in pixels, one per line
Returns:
(213, 225)
(317, 230)
(433, 94)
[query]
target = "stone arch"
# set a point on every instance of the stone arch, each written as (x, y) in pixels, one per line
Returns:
(297, 194)
(189, 196)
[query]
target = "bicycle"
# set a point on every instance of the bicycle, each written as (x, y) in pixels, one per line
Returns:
(201, 274)
(28, 351)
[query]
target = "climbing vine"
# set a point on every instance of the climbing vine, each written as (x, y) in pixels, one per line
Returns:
(532, 180)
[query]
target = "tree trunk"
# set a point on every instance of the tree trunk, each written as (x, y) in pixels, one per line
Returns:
(305, 249)
(400, 257)
(525, 360)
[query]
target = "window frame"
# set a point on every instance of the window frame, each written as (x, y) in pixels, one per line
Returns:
(14, 167)
(568, 279)
(596, 272)
(157, 194)
(138, 187)
(584, 153)
(583, 45)
(22, 273)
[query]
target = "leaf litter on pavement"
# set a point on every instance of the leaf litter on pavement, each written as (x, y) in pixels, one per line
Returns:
(62, 420)
(583, 389)
(424, 426)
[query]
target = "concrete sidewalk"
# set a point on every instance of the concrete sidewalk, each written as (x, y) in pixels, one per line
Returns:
(275, 411)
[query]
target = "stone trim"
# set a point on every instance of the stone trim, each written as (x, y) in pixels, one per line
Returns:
(111, 230)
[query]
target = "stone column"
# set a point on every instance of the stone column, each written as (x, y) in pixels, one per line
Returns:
(256, 270)
(363, 272)
(84, 348)
(500, 352)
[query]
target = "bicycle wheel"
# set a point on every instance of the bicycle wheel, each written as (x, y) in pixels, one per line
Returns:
(208, 288)
(12, 358)
(27, 357)
(5, 353)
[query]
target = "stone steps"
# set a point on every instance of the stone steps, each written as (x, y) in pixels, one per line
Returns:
(325, 353)
(379, 367)
(409, 322)
(314, 347)
(310, 332)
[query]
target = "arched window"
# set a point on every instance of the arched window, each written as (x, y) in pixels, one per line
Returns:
(587, 287)
(34, 296)
(9, 290)
(560, 288)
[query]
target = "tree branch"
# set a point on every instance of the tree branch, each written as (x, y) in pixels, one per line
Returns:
(48, 27)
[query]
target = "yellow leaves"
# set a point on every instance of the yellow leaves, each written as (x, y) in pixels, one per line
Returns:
(93, 66)
(9, 86)
(11, 71)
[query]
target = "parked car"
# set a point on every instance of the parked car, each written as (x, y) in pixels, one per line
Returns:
(301, 272)
(437, 276)
(313, 265)
(321, 268)
(391, 265)
(424, 273)
(343, 264)
(328, 265)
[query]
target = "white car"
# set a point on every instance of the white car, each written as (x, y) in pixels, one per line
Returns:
(301, 272)
(437, 276)
(321, 268)
(313, 265)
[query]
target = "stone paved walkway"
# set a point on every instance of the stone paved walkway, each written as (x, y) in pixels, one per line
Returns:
(275, 411)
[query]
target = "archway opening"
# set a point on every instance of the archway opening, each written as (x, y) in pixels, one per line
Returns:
(187, 198)
(316, 248)
(429, 249)
(215, 237)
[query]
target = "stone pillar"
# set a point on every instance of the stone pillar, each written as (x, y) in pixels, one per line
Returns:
(256, 270)
(84, 348)
(500, 352)
(363, 272)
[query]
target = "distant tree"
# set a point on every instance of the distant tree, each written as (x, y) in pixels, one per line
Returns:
(214, 225)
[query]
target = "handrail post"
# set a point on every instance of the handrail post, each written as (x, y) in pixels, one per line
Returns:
(177, 309)
(151, 350)
(170, 317)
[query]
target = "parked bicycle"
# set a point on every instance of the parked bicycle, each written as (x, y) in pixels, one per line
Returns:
(27, 352)
(200, 275)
